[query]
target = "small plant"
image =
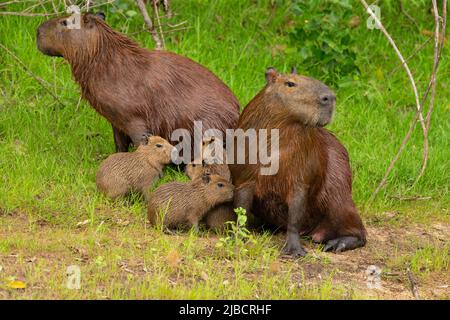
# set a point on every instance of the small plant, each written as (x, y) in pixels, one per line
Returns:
(162, 212)
(237, 235)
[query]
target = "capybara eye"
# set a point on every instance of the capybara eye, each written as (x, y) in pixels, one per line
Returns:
(194, 165)
(290, 84)
(64, 23)
(220, 184)
(159, 145)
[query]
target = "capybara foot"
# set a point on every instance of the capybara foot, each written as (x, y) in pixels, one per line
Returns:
(294, 249)
(343, 244)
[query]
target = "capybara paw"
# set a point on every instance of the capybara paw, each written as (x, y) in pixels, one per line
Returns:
(343, 244)
(294, 250)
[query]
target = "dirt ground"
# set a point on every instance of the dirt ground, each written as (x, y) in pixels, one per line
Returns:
(25, 242)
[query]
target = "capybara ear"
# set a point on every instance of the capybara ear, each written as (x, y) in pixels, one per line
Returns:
(271, 74)
(206, 177)
(88, 20)
(294, 70)
(147, 137)
(101, 15)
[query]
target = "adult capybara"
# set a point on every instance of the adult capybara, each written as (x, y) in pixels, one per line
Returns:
(311, 194)
(123, 172)
(185, 203)
(138, 91)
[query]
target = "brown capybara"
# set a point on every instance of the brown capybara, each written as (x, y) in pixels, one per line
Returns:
(311, 194)
(217, 217)
(139, 91)
(210, 162)
(186, 203)
(123, 172)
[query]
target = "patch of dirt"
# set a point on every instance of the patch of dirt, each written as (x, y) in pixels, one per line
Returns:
(54, 245)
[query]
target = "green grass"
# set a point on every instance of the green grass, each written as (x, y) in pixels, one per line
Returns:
(49, 154)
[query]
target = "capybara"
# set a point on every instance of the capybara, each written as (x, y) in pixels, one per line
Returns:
(123, 172)
(138, 91)
(311, 194)
(210, 162)
(217, 217)
(185, 203)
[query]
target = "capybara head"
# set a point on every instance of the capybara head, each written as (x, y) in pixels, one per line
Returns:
(62, 36)
(158, 148)
(305, 99)
(218, 189)
(194, 170)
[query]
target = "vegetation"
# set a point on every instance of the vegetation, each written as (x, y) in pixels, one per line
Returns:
(51, 215)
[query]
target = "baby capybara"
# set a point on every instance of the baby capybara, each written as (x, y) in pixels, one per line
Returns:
(217, 217)
(311, 194)
(138, 91)
(211, 162)
(123, 172)
(186, 203)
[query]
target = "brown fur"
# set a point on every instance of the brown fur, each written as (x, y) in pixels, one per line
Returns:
(217, 217)
(311, 161)
(187, 203)
(123, 172)
(137, 90)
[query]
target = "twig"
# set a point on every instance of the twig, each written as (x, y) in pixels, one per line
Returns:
(410, 198)
(156, 12)
(402, 9)
(27, 14)
(149, 23)
(411, 56)
(416, 95)
(438, 45)
(413, 283)
(29, 72)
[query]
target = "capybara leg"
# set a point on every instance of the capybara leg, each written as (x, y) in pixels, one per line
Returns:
(343, 244)
(243, 197)
(217, 218)
(121, 140)
(138, 132)
(296, 214)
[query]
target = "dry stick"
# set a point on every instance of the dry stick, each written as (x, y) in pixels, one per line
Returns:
(41, 81)
(416, 95)
(149, 23)
(156, 12)
(26, 14)
(438, 45)
(413, 283)
(402, 9)
(394, 70)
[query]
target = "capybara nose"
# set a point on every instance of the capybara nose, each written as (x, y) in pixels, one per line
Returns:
(327, 99)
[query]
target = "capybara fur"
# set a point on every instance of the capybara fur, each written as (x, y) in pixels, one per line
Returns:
(138, 91)
(180, 204)
(123, 172)
(311, 194)
(210, 162)
(217, 217)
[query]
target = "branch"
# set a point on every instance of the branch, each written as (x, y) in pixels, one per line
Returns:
(416, 96)
(149, 23)
(413, 283)
(29, 72)
(437, 57)
(156, 12)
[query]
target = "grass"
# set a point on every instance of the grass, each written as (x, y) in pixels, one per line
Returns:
(49, 155)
